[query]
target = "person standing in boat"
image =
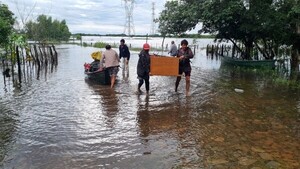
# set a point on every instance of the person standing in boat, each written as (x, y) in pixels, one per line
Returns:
(173, 50)
(124, 53)
(110, 59)
(143, 68)
(184, 54)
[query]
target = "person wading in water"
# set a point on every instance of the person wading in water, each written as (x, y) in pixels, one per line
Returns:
(124, 53)
(184, 54)
(143, 68)
(111, 60)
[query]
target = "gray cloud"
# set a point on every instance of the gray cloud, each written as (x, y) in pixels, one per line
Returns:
(89, 16)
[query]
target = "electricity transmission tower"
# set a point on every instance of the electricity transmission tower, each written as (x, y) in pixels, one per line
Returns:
(153, 18)
(129, 27)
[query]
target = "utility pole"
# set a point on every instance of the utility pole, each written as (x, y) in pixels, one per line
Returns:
(152, 32)
(129, 27)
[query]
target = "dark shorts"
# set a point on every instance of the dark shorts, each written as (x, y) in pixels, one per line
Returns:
(186, 70)
(113, 70)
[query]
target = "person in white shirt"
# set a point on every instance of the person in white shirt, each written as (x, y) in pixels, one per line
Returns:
(111, 59)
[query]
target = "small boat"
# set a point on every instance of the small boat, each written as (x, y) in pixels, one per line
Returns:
(101, 77)
(248, 63)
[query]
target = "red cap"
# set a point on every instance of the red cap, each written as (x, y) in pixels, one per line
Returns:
(146, 46)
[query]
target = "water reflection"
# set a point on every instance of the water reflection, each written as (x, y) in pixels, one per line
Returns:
(108, 100)
(8, 127)
(125, 74)
(67, 122)
(143, 114)
(165, 130)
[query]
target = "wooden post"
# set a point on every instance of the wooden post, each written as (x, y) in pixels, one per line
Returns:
(19, 64)
(31, 54)
(12, 62)
(207, 49)
(51, 54)
(55, 55)
(36, 55)
(233, 51)
(45, 54)
(222, 50)
(41, 57)
(43, 49)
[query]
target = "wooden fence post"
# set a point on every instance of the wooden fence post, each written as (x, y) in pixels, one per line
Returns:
(19, 65)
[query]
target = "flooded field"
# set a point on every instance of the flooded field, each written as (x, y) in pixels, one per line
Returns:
(63, 120)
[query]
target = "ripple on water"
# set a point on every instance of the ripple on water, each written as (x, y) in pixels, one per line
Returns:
(63, 121)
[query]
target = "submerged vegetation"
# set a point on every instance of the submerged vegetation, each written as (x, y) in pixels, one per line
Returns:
(277, 77)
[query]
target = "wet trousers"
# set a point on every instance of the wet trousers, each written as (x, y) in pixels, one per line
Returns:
(141, 82)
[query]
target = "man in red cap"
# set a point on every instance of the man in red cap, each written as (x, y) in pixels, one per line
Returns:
(143, 68)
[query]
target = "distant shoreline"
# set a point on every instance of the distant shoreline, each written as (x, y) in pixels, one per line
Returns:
(156, 35)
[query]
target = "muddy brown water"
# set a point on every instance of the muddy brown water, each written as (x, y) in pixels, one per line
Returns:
(62, 120)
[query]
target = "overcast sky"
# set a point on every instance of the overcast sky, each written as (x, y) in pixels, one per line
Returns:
(90, 16)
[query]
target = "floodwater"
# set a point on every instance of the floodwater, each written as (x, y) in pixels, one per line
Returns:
(61, 120)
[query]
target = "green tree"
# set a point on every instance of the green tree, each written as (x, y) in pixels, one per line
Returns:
(30, 29)
(265, 25)
(289, 12)
(64, 30)
(177, 18)
(6, 24)
(233, 21)
(44, 29)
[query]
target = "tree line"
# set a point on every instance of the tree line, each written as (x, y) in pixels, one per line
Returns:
(6, 25)
(43, 29)
(17, 53)
(46, 29)
(265, 25)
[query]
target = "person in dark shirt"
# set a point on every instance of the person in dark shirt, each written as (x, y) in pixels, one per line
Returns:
(184, 54)
(95, 65)
(143, 68)
(124, 53)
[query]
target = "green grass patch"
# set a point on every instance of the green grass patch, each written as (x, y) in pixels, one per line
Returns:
(99, 45)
